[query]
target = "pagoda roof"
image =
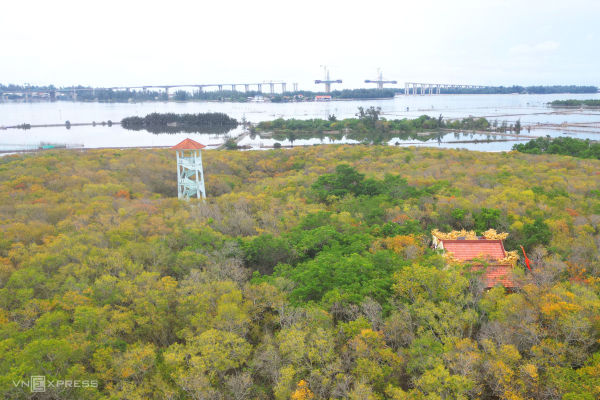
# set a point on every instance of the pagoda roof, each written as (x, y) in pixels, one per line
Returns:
(188, 144)
(466, 250)
(491, 250)
(497, 274)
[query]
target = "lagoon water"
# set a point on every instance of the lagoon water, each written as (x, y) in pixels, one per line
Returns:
(530, 109)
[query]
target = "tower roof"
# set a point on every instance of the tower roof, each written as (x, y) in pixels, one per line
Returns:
(188, 144)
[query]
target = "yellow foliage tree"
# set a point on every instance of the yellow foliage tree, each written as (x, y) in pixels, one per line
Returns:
(302, 392)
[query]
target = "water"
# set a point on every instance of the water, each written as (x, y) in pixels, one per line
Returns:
(530, 109)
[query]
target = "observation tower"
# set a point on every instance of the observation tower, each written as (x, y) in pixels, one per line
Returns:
(190, 175)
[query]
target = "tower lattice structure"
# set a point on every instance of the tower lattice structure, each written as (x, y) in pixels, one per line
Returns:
(190, 174)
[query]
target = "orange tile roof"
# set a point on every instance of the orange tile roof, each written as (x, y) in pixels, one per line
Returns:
(486, 249)
(466, 250)
(497, 274)
(188, 144)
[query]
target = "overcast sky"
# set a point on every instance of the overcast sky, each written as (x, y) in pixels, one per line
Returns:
(142, 42)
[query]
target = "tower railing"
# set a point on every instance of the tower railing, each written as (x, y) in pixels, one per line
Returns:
(190, 175)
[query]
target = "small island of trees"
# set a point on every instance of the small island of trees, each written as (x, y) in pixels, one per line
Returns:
(592, 103)
(368, 127)
(178, 123)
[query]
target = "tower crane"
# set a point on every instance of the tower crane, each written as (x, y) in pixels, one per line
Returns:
(327, 81)
(379, 81)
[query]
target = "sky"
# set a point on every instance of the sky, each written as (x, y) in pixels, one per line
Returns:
(147, 42)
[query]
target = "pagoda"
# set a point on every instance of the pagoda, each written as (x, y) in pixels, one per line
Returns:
(481, 252)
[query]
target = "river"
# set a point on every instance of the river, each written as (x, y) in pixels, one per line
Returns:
(532, 110)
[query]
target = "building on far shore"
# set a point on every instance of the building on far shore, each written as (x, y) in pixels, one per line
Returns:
(482, 252)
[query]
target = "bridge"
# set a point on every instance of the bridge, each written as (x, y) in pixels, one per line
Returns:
(51, 93)
(380, 81)
(433, 88)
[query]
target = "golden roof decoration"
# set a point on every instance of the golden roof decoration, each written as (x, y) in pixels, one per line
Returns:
(490, 234)
(453, 235)
(511, 258)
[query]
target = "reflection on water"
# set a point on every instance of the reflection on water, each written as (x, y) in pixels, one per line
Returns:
(466, 140)
(215, 130)
(98, 137)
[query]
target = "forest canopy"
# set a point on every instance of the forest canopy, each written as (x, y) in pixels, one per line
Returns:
(307, 274)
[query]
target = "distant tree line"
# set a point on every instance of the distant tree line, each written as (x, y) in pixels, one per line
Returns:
(112, 95)
(12, 87)
(521, 89)
(362, 93)
(561, 145)
(120, 96)
(88, 94)
(117, 96)
(347, 94)
(177, 123)
(222, 95)
(575, 103)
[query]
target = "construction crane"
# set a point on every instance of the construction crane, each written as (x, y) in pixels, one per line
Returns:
(327, 81)
(379, 81)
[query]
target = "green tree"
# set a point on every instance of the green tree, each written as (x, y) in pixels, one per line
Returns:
(537, 233)
(487, 218)
(264, 252)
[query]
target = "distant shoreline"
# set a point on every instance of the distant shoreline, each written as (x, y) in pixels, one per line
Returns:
(183, 93)
(399, 95)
